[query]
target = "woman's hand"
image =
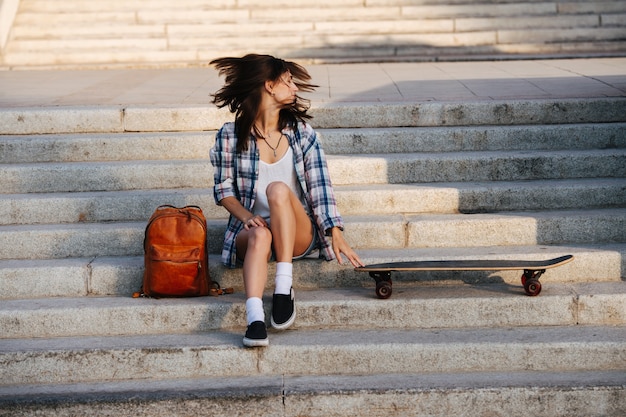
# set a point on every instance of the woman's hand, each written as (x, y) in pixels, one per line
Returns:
(254, 221)
(248, 219)
(340, 246)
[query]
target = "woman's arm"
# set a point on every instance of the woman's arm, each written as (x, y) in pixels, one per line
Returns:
(222, 158)
(320, 189)
(237, 210)
(323, 197)
(341, 246)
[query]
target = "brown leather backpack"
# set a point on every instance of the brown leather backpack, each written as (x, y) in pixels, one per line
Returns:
(175, 254)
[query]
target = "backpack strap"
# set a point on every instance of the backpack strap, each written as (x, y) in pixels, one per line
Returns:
(217, 290)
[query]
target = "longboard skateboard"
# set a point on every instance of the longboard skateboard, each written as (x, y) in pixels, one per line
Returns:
(530, 278)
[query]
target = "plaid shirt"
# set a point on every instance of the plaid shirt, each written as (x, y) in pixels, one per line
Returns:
(236, 176)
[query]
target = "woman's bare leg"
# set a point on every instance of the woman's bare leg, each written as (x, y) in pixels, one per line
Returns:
(292, 233)
(254, 247)
(291, 227)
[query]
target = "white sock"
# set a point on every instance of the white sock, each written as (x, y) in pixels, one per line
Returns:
(284, 278)
(254, 310)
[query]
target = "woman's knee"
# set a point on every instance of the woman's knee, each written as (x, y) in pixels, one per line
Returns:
(278, 192)
(259, 237)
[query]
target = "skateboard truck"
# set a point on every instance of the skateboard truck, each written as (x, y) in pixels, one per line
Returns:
(383, 283)
(530, 281)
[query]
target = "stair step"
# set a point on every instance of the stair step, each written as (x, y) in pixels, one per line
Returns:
(423, 307)
(313, 352)
(104, 206)
(348, 26)
(108, 147)
(367, 232)
(306, 42)
(479, 166)
(476, 197)
(521, 228)
(425, 19)
(442, 198)
(588, 393)
(40, 6)
(85, 30)
(110, 176)
(194, 145)
(88, 45)
(418, 11)
(34, 18)
(164, 34)
(105, 58)
(137, 118)
(473, 138)
(133, 17)
(74, 240)
(613, 6)
(344, 170)
(560, 35)
(122, 275)
(525, 22)
(94, 30)
(115, 58)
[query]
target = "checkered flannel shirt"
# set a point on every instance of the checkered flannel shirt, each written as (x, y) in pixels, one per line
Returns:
(236, 175)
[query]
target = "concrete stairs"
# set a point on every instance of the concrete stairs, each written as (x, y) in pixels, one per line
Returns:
(75, 33)
(528, 179)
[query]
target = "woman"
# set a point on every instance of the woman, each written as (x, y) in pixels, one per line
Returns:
(271, 176)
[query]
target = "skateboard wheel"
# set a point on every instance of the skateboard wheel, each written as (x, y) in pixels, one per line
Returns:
(532, 287)
(383, 289)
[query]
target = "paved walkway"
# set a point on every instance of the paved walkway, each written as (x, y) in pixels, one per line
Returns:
(388, 82)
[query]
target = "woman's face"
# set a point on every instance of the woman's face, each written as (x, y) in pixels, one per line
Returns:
(285, 89)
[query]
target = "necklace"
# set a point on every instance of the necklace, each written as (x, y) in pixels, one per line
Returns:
(265, 140)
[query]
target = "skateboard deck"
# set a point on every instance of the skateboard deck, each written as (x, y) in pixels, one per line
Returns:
(381, 273)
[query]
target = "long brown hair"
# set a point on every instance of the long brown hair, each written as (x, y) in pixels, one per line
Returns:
(243, 88)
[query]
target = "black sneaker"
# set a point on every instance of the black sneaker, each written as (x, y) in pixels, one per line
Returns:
(256, 335)
(283, 311)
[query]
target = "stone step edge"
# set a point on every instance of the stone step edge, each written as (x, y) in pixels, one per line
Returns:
(318, 38)
(558, 227)
(139, 118)
(442, 198)
(348, 21)
(586, 50)
(348, 26)
(24, 149)
(122, 276)
(575, 393)
(423, 307)
(314, 352)
(376, 5)
(116, 59)
(456, 9)
(392, 168)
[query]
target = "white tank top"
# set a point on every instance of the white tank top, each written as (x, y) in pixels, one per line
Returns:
(282, 170)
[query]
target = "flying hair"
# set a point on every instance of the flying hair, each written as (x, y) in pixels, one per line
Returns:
(245, 79)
